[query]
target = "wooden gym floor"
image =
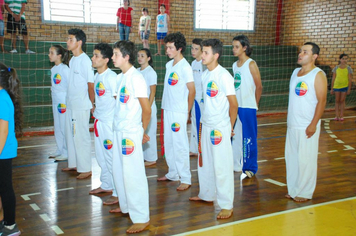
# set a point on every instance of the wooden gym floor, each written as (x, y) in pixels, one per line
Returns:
(51, 202)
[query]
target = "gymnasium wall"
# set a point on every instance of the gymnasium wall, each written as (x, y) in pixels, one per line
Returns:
(329, 23)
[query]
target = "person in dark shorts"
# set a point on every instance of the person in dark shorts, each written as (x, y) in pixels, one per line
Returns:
(16, 22)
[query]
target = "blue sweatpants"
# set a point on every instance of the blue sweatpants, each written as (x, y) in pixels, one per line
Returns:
(248, 139)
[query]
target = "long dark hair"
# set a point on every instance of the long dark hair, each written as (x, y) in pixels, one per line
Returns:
(11, 83)
(62, 51)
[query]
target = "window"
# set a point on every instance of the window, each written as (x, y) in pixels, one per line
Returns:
(80, 11)
(224, 15)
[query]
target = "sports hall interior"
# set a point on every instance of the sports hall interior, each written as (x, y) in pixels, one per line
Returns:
(51, 202)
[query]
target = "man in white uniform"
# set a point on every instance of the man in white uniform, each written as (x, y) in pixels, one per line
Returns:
(177, 101)
(197, 68)
(307, 99)
(216, 174)
(80, 99)
(103, 111)
(132, 116)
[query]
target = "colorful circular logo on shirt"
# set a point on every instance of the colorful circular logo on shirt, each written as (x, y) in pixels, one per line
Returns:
(175, 127)
(173, 79)
(124, 95)
(215, 137)
(62, 108)
(212, 89)
(100, 89)
(237, 80)
(107, 144)
(128, 146)
(57, 78)
(301, 89)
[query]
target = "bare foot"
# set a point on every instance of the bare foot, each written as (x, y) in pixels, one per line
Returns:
(183, 187)
(164, 178)
(116, 210)
(84, 175)
(196, 198)
(136, 228)
(150, 163)
(300, 199)
(111, 201)
(224, 214)
(288, 196)
(99, 190)
(69, 169)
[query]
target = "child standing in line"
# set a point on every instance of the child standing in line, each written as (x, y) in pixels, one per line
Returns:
(216, 174)
(132, 116)
(248, 87)
(162, 26)
(104, 107)
(10, 124)
(145, 27)
(341, 85)
(144, 58)
(59, 80)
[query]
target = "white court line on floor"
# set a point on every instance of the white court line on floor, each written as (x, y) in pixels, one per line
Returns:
(331, 151)
(152, 176)
(326, 127)
(339, 141)
(333, 135)
(262, 161)
(279, 158)
(264, 216)
(35, 207)
(26, 196)
(194, 170)
(329, 132)
(45, 217)
(64, 189)
(275, 182)
(56, 229)
(348, 147)
(34, 146)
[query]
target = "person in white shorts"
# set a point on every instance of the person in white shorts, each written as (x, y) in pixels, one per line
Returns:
(80, 99)
(197, 67)
(216, 173)
(177, 101)
(132, 116)
(307, 99)
(144, 58)
(103, 111)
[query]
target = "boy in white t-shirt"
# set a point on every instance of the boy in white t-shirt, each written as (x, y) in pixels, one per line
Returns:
(80, 99)
(197, 67)
(132, 116)
(177, 101)
(216, 174)
(104, 107)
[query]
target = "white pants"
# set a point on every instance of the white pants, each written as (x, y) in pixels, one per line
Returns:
(176, 146)
(103, 139)
(78, 140)
(150, 148)
(130, 175)
(59, 120)
(237, 148)
(193, 144)
(301, 155)
(216, 176)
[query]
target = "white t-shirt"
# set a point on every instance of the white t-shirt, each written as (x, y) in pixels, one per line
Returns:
(81, 73)
(128, 111)
(197, 67)
(217, 85)
(143, 22)
(59, 81)
(150, 76)
(302, 99)
(105, 90)
(175, 91)
(244, 85)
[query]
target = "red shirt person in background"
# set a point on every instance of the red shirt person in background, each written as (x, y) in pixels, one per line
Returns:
(124, 20)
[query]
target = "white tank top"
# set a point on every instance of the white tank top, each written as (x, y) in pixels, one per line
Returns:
(162, 23)
(302, 99)
(245, 87)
